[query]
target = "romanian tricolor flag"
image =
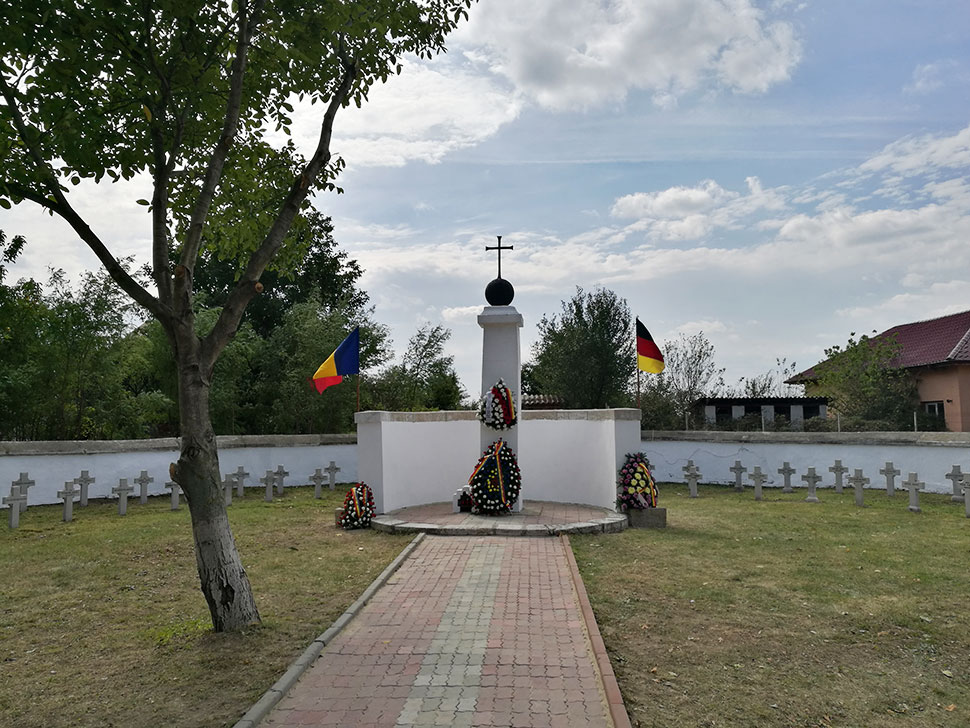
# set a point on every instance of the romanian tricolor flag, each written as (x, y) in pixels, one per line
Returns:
(649, 358)
(345, 360)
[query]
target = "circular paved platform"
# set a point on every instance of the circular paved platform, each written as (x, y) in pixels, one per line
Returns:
(537, 518)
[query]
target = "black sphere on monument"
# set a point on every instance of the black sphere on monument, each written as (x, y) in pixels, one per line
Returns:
(499, 292)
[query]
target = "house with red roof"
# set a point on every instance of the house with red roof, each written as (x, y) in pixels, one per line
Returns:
(937, 353)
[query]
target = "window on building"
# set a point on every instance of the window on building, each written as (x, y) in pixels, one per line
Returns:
(752, 409)
(934, 408)
(783, 411)
(722, 414)
(811, 410)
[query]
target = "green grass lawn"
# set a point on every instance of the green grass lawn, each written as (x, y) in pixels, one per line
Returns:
(785, 613)
(102, 622)
(778, 613)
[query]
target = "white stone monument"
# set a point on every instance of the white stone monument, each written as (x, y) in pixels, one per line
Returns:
(501, 354)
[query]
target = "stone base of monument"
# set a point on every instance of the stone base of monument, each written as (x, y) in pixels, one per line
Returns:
(338, 513)
(647, 518)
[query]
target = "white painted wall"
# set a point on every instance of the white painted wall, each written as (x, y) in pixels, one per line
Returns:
(566, 452)
(566, 456)
(930, 455)
(51, 464)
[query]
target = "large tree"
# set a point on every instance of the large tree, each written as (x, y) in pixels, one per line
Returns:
(691, 372)
(586, 354)
(865, 384)
(196, 96)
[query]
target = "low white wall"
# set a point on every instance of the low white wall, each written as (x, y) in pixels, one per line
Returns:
(929, 454)
(51, 464)
(560, 443)
(566, 456)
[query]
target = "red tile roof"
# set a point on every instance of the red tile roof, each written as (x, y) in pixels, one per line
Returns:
(943, 340)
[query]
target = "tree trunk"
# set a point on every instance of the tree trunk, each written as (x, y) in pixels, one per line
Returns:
(221, 574)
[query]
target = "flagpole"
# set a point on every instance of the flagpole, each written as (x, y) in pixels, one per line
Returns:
(638, 387)
(358, 392)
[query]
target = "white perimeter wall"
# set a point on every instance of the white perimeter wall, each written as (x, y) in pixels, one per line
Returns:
(562, 444)
(51, 464)
(931, 455)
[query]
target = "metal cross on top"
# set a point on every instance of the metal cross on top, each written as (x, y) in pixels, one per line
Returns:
(499, 248)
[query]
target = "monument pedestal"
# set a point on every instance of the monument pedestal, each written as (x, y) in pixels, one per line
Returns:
(647, 518)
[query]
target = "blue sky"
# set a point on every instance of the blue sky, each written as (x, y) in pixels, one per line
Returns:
(774, 174)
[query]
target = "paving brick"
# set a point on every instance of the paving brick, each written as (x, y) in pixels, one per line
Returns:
(471, 631)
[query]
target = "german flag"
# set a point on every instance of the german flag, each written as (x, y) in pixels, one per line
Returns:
(649, 358)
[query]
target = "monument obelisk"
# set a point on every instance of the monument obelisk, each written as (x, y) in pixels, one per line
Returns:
(501, 353)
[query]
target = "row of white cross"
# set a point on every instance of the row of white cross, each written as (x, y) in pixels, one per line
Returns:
(858, 481)
(78, 489)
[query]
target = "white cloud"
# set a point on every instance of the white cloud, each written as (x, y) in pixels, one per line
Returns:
(579, 53)
(930, 77)
(690, 213)
(423, 114)
(922, 154)
(460, 314)
(936, 299)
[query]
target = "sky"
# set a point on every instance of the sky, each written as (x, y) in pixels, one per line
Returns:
(774, 174)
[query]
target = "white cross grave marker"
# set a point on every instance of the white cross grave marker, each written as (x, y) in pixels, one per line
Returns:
(269, 480)
(68, 495)
(858, 481)
(839, 469)
(890, 472)
(317, 479)
(143, 480)
(14, 500)
(966, 494)
(332, 470)
(175, 488)
(786, 471)
(227, 483)
(23, 483)
(955, 476)
(692, 474)
(83, 482)
(123, 490)
(811, 480)
(758, 478)
(280, 474)
(914, 485)
(240, 475)
(738, 469)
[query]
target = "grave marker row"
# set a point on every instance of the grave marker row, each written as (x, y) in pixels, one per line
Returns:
(79, 488)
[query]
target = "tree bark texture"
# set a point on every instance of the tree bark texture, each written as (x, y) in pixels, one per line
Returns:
(224, 582)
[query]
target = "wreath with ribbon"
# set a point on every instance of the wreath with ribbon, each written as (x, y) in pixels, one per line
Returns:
(497, 409)
(358, 507)
(496, 480)
(637, 489)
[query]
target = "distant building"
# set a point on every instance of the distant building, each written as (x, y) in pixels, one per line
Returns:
(937, 354)
(794, 410)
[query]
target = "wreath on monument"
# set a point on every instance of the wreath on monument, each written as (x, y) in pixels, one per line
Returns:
(358, 507)
(496, 480)
(497, 408)
(637, 489)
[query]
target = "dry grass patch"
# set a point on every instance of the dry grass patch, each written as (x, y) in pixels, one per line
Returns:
(784, 613)
(102, 622)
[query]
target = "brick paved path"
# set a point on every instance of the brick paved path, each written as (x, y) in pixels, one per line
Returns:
(470, 631)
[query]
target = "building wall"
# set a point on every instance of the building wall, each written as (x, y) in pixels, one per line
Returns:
(950, 385)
